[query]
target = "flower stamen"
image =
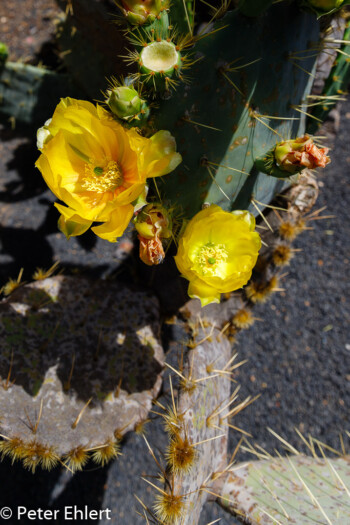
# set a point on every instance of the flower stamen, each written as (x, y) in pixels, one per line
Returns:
(210, 258)
(102, 180)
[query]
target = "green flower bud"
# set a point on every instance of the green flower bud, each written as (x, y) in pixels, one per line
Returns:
(153, 221)
(141, 12)
(124, 102)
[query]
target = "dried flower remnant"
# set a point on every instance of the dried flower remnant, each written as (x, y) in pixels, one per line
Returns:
(153, 223)
(296, 154)
(151, 251)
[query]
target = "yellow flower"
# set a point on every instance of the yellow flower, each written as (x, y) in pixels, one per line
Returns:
(98, 168)
(217, 252)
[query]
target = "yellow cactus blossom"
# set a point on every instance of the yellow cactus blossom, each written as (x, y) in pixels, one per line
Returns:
(217, 252)
(98, 168)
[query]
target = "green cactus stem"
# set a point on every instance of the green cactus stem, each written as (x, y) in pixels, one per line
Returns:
(90, 45)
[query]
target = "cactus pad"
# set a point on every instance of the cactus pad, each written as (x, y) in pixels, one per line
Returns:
(296, 490)
(237, 105)
(80, 364)
(29, 95)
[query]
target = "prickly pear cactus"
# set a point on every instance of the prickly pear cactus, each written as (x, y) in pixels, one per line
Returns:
(290, 488)
(195, 464)
(29, 94)
(224, 96)
(269, 491)
(90, 44)
(237, 106)
(229, 88)
(80, 365)
(197, 446)
(335, 86)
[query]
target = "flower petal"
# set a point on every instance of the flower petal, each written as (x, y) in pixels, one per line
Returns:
(129, 194)
(98, 168)
(156, 156)
(197, 289)
(116, 225)
(217, 252)
(70, 223)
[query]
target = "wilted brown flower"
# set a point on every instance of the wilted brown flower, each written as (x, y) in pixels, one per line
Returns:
(295, 154)
(151, 250)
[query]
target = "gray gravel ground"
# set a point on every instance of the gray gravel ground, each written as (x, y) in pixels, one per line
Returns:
(299, 355)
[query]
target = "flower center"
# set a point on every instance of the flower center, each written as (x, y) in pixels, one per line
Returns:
(102, 179)
(210, 257)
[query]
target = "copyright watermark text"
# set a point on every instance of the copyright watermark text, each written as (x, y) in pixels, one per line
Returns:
(5, 513)
(69, 513)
